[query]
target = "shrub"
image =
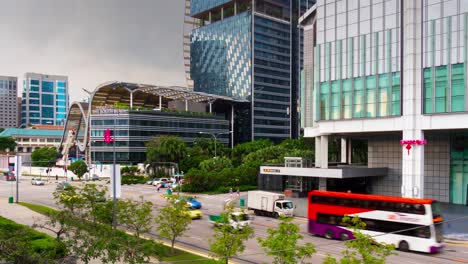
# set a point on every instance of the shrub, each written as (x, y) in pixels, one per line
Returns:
(134, 179)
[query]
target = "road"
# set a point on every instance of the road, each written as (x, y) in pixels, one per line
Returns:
(201, 230)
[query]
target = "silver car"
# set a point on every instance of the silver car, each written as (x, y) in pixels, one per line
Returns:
(37, 181)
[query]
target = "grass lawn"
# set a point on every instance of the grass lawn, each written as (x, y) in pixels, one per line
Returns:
(178, 256)
(45, 210)
(188, 257)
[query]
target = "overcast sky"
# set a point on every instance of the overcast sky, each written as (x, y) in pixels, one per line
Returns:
(93, 41)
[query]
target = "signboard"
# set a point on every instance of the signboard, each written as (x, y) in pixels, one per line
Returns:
(271, 170)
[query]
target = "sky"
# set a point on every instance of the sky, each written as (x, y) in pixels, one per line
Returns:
(93, 41)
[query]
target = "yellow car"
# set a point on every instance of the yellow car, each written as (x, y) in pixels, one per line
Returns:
(195, 213)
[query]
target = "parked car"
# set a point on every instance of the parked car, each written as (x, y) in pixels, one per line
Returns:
(37, 181)
(62, 186)
(161, 181)
(94, 177)
(192, 202)
(9, 176)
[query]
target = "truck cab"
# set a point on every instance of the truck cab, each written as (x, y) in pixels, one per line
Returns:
(284, 208)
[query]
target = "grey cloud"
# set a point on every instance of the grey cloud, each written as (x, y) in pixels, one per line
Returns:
(93, 41)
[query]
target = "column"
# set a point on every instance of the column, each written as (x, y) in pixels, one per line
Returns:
(349, 151)
(322, 184)
(344, 153)
(186, 105)
(324, 152)
(131, 100)
(317, 152)
(413, 163)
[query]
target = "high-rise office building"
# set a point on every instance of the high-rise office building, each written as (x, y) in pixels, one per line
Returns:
(391, 75)
(9, 107)
(250, 50)
(45, 99)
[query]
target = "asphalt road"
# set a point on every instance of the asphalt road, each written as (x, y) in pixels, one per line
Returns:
(201, 231)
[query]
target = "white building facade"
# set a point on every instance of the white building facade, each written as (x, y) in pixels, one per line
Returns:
(392, 74)
(8, 97)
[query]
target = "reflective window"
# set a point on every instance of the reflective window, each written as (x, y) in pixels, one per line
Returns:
(47, 87)
(47, 99)
(47, 112)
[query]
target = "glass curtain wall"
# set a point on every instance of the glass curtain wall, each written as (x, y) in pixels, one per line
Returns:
(357, 59)
(459, 169)
(445, 56)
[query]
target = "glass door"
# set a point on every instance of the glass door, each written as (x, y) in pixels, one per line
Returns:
(459, 169)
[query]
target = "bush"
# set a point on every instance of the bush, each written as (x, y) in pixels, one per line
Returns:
(134, 179)
(242, 188)
(21, 242)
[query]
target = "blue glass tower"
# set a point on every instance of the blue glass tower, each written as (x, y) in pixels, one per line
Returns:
(250, 50)
(44, 100)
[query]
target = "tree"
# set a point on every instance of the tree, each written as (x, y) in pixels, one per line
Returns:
(44, 157)
(281, 243)
(136, 216)
(7, 143)
(173, 220)
(229, 241)
(363, 249)
(78, 167)
(244, 149)
(165, 149)
(215, 164)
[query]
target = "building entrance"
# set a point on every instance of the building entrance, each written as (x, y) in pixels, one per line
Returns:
(459, 169)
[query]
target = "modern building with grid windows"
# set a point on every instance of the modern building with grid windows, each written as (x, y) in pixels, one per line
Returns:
(251, 50)
(390, 75)
(8, 97)
(44, 100)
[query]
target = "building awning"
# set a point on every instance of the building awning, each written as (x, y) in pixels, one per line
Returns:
(333, 173)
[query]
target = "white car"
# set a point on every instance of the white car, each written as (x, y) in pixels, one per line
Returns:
(161, 181)
(37, 181)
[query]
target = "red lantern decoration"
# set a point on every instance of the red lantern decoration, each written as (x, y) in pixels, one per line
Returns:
(408, 147)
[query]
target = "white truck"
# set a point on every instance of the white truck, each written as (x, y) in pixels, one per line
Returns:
(269, 204)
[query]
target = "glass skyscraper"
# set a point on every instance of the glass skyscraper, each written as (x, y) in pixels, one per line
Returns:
(44, 100)
(251, 50)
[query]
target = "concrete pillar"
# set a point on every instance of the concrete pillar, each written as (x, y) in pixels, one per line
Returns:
(344, 153)
(131, 100)
(349, 151)
(210, 104)
(160, 102)
(324, 152)
(323, 184)
(186, 105)
(235, 7)
(317, 152)
(413, 164)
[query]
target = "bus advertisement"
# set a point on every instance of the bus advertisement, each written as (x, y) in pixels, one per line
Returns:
(408, 223)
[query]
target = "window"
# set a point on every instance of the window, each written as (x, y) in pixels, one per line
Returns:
(383, 95)
(61, 97)
(279, 205)
(34, 82)
(47, 99)
(61, 85)
(428, 107)
(458, 88)
(47, 87)
(324, 101)
(441, 87)
(396, 101)
(358, 98)
(47, 112)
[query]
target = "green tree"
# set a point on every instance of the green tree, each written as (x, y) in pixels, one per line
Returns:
(215, 164)
(173, 220)
(165, 149)
(363, 249)
(244, 149)
(282, 243)
(78, 167)
(228, 242)
(135, 216)
(44, 157)
(7, 143)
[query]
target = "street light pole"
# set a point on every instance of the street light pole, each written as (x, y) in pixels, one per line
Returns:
(215, 136)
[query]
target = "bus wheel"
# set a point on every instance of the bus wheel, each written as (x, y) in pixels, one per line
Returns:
(403, 246)
(344, 236)
(328, 234)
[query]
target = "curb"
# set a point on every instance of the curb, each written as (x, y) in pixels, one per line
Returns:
(456, 242)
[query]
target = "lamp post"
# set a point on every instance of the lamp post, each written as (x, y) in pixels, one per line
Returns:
(215, 136)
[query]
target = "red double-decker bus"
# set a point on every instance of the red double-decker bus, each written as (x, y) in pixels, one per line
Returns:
(407, 223)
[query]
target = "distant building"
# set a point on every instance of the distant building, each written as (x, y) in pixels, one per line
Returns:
(45, 99)
(29, 139)
(9, 106)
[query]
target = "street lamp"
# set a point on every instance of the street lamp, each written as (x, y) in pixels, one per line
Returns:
(215, 136)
